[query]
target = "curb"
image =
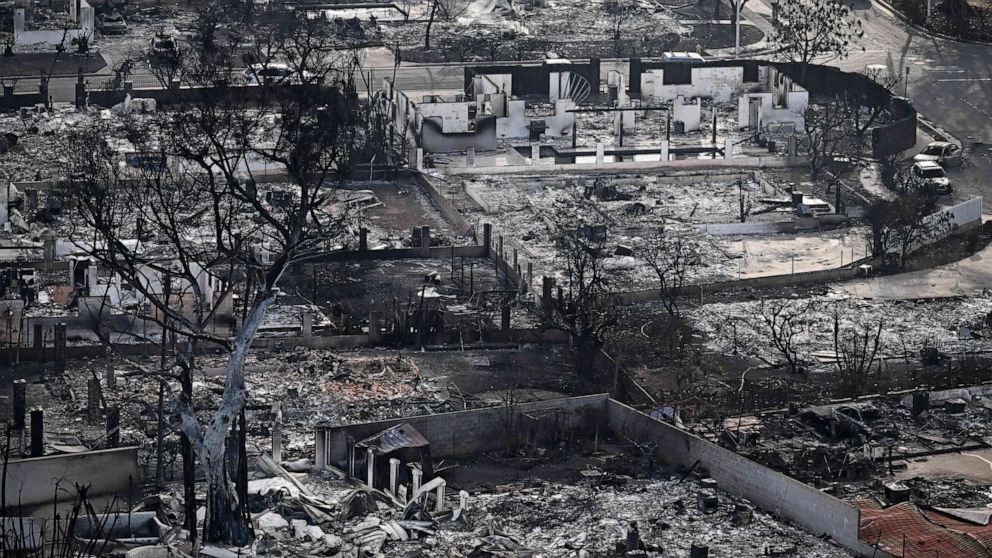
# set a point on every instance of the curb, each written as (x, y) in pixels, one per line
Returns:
(923, 30)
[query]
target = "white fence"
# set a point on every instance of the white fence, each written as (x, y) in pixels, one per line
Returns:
(952, 220)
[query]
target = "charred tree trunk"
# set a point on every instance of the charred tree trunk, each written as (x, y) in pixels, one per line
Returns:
(187, 451)
(225, 517)
(430, 23)
(227, 514)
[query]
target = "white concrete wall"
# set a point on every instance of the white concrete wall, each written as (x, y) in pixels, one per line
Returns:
(560, 125)
(626, 118)
(514, 124)
(770, 113)
(85, 19)
(453, 116)
(493, 104)
(719, 84)
(492, 83)
(797, 101)
(688, 112)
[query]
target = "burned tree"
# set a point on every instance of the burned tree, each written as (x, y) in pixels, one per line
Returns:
(784, 321)
(198, 221)
(838, 130)
(816, 31)
(856, 348)
(671, 255)
(585, 306)
(900, 225)
(620, 13)
(448, 10)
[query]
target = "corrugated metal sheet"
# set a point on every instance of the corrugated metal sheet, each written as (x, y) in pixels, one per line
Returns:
(905, 530)
(398, 437)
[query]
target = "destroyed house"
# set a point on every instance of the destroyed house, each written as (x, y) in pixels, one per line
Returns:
(491, 109)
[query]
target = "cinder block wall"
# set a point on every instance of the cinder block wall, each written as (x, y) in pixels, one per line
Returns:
(771, 491)
(466, 433)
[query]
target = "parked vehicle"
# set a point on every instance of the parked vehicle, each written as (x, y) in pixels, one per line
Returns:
(941, 152)
(273, 73)
(111, 24)
(163, 46)
(933, 176)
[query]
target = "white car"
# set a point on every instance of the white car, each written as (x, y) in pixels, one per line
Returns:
(943, 153)
(274, 73)
(933, 175)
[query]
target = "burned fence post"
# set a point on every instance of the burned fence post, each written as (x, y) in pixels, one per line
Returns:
(487, 237)
(499, 254)
(921, 403)
(504, 323)
(92, 399)
(37, 432)
(363, 239)
(20, 403)
(80, 90)
(714, 123)
(113, 427)
(425, 241)
(49, 251)
(277, 432)
(38, 339)
(60, 338)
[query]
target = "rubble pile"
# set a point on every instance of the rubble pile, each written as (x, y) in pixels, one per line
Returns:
(562, 520)
(319, 386)
(499, 30)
